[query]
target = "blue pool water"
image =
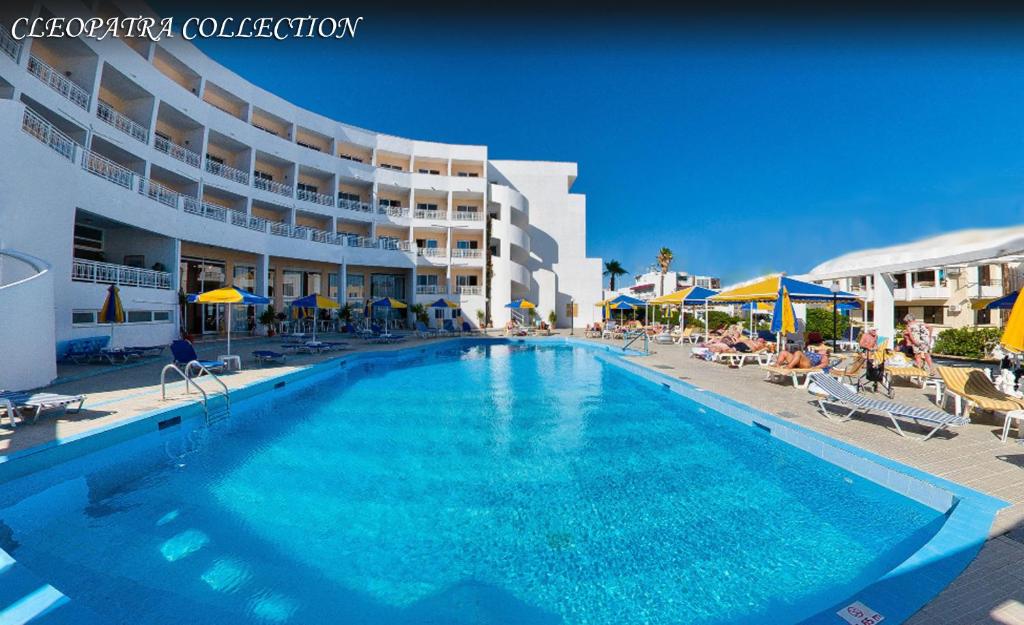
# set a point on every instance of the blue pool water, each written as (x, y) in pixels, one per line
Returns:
(503, 484)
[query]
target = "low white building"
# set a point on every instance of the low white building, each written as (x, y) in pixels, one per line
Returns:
(152, 167)
(652, 283)
(944, 280)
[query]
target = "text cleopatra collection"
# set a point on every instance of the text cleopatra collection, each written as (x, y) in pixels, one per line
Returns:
(155, 29)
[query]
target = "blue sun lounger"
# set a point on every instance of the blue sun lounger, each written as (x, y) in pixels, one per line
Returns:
(185, 358)
(840, 394)
(263, 356)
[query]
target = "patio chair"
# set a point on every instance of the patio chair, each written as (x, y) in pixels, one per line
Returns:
(186, 359)
(450, 328)
(468, 329)
(36, 403)
(840, 394)
(264, 356)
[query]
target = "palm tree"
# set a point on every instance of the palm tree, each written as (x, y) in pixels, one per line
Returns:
(612, 269)
(664, 260)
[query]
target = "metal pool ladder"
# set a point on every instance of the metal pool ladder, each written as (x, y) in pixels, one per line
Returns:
(213, 413)
(630, 339)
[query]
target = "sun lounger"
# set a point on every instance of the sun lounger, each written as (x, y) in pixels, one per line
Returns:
(81, 353)
(855, 402)
(36, 403)
(738, 359)
(971, 386)
(773, 372)
(186, 359)
(424, 332)
(915, 375)
(450, 328)
(264, 356)
(468, 329)
(336, 346)
(664, 339)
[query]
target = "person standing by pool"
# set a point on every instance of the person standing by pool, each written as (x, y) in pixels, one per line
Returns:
(919, 337)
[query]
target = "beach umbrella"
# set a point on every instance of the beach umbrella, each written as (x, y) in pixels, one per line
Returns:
(315, 302)
(690, 296)
(768, 290)
(1013, 333)
(228, 296)
(520, 304)
(783, 317)
(388, 303)
(112, 311)
(1004, 302)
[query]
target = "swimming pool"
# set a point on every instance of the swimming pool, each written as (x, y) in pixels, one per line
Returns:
(508, 483)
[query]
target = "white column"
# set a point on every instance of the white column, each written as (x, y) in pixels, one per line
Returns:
(884, 303)
(343, 284)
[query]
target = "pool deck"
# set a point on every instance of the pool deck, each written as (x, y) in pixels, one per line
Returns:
(991, 590)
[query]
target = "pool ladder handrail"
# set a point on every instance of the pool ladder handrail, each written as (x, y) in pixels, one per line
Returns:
(210, 418)
(629, 340)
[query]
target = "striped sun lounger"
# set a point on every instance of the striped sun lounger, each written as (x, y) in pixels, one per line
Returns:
(971, 385)
(840, 394)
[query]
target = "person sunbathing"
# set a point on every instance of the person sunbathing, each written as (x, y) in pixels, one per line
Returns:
(814, 358)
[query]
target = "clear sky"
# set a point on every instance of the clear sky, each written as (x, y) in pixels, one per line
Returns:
(744, 144)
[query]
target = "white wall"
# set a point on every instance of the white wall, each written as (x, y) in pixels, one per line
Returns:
(26, 330)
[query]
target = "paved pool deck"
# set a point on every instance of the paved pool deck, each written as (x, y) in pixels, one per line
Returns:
(990, 591)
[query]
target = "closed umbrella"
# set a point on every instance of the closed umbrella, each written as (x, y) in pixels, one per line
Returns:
(228, 296)
(112, 311)
(1013, 333)
(783, 317)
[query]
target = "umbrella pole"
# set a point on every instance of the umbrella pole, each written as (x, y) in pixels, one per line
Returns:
(229, 328)
(315, 314)
(706, 329)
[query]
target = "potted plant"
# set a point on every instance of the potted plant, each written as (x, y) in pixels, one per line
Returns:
(268, 318)
(481, 317)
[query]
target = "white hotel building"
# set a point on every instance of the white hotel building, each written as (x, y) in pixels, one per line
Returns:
(150, 166)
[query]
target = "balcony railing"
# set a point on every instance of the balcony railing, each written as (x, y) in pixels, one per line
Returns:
(282, 229)
(431, 289)
(58, 83)
(46, 132)
(208, 210)
(238, 218)
(432, 252)
(469, 290)
(107, 113)
(107, 273)
(316, 198)
(8, 45)
(393, 211)
(358, 241)
(224, 171)
(360, 207)
(468, 216)
(425, 214)
(106, 168)
(160, 193)
(323, 236)
(466, 253)
(273, 187)
(176, 151)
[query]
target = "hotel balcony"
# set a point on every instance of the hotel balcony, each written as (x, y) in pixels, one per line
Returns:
(312, 140)
(73, 92)
(104, 167)
(225, 101)
(168, 65)
(107, 113)
(311, 184)
(177, 135)
(468, 216)
(271, 124)
(8, 45)
(176, 151)
(281, 229)
(226, 171)
(272, 186)
(35, 125)
(467, 253)
(356, 207)
(83, 270)
(273, 174)
(431, 289)
(469, 290)
(435, 215)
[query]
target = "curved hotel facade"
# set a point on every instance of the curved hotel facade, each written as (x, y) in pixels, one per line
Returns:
(150, 166)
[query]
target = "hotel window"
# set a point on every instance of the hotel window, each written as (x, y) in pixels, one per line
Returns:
(439, 313)
(308, 188)
(389, 166)
(468, 174)
(160, 135)
(933, 314)
(262, 175)
(466, 209)
(432, 172)
(214, 159)
(388, 242)
(291, 285)
(466, 245)
(244, 277)
(312, 284)
(465, 280)
(426, 207)
(386, 202)
(88, 242)
(900, 313)
(985, 275)
(982, 317)
(271, 278)
(387, 285)
(311, 147)
(426, 280)
(924, 278)
(349, 157)
(428, 243)
(332, 285)
(81, 317)
(355, 284)
(901, 280)
(350, 197)
(148, 316)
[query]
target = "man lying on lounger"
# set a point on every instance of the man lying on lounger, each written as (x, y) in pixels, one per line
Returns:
(815, 357)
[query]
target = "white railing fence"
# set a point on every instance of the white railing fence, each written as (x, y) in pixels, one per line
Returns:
(59, 83)
(108, 273)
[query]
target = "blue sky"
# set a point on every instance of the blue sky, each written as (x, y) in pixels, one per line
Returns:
(745, 146)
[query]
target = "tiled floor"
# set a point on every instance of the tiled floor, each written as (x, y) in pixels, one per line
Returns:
(990, 591)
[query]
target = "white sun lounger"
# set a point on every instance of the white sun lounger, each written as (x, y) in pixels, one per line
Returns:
(839, 393)
(38, 402)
